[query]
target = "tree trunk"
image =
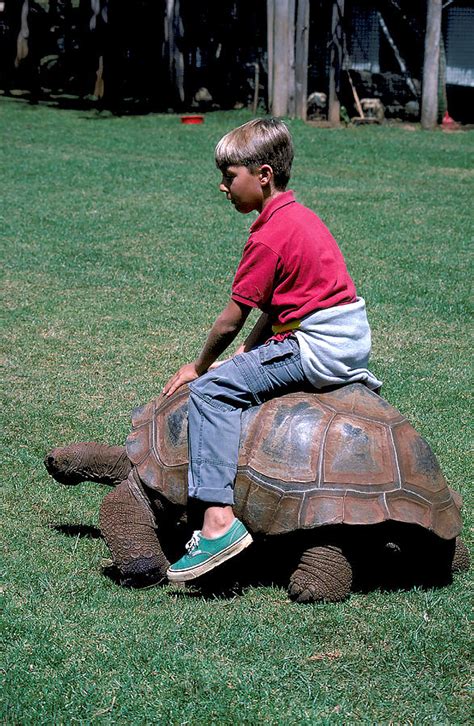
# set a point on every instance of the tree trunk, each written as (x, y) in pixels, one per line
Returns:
(301, 59)
(337, 43)
(429, 101)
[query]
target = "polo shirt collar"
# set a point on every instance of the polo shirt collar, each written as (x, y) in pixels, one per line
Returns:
(280, 201)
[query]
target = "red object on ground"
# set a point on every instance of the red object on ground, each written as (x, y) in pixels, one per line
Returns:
(448, 121)
(192, 119)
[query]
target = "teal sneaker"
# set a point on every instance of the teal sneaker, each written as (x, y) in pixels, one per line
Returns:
(205, 554)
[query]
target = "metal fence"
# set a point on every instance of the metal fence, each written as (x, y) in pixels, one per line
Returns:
(383, 55)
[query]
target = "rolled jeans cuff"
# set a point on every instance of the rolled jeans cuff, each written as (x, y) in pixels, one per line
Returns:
(213, 496)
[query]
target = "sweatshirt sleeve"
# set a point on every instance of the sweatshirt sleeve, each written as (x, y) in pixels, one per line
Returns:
(254, 280)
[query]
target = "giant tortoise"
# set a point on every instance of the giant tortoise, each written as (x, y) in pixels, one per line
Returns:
(319, 474)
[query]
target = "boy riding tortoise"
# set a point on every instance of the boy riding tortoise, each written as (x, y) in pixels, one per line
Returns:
(320, 450)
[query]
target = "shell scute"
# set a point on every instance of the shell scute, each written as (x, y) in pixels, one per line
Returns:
(406, 507)
(446, 519)
(356, 397)
(287, 430)
(261, 505)
(151, 472)
(142, 414)
(419, 469)
(249, 431)
(170, 429)
(358, 451)
(369, 404)
(286, 514)
(321, 509)
(241, 492)
(175, 484)
(365, 509)
(340, 399)
(139, 444)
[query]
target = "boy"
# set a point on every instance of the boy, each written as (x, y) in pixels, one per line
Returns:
(313, 328)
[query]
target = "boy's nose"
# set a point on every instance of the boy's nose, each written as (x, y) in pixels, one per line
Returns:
(223, 187)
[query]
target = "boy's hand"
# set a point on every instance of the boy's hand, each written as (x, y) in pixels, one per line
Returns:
(185, 374)
(222, 333)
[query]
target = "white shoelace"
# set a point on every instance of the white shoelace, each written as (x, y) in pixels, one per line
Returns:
(194, 541)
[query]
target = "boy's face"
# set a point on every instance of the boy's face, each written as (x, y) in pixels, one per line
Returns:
(242, 186)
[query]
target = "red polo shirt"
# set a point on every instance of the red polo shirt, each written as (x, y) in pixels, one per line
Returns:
(291, 264)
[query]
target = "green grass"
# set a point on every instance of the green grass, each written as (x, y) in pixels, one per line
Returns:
(118, 252)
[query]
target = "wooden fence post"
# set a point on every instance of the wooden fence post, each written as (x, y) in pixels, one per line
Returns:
(301, 59)
(291, 58)
(337, 44)
(281, 54)
(429, 98)
(270, 44)
(173, 30)
(287, 56)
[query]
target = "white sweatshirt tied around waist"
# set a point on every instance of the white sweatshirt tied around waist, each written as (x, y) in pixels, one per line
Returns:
(335, 346)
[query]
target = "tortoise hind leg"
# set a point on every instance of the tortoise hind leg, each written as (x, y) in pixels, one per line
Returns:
(128, 524)
(461, 559)
(324, 573)
(88, 462)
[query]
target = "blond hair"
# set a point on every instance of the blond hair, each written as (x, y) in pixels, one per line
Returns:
(257, 142)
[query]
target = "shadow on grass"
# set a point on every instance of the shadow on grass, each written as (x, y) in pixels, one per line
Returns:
(137, 582)
(229, 582)
(226, 582)
(270, 562)
(78, 530)
(208, 591)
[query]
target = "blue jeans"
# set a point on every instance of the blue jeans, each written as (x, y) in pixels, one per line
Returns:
(216, 402)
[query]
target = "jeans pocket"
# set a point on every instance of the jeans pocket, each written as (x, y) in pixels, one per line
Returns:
(276, 350)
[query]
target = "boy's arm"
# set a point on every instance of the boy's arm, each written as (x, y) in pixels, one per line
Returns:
(222, 333)
(260, 332)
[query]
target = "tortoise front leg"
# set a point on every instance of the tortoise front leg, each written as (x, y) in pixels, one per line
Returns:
(128, 524)
(88, 462)
(324, 573)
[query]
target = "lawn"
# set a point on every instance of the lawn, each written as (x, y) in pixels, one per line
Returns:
(118, 251)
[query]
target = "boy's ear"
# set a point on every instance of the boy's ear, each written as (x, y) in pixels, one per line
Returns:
(265, 174)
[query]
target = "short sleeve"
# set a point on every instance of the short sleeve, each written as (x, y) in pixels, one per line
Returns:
(254, 280)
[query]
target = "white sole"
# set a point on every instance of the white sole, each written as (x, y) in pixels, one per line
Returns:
(220, 557)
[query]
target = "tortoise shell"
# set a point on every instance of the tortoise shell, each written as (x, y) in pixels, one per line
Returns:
(307, 460)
